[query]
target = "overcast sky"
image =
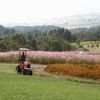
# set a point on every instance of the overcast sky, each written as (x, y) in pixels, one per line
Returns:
(42, 11)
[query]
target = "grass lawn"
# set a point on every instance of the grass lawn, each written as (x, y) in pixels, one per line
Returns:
(85, 44)
(19, 87)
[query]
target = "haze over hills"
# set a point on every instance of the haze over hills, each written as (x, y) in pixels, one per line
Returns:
(76, 21)
(44, 28)
(80, 22)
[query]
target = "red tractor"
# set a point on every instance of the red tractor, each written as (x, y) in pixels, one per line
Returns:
(24, 67)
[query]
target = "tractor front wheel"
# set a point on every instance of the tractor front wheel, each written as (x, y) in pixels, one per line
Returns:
(27, 72)
(18, 69)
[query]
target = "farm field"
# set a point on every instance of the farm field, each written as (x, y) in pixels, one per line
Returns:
(94, 48)
(19, 87)
(88, 45)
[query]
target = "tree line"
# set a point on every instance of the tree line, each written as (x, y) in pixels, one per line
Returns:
(54, 40)
(87, 36)
(58, 39)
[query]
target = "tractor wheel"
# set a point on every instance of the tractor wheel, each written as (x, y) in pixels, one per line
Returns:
(24, 72)
(31, 73)
(27, 72)
(18, 69)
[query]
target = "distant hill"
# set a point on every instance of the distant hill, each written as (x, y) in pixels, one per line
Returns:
(39, 29)
(85, 30)
(34, 28)
(77, 23)
(6, 31)
(80, 21)
(25, 29)
(2, 29)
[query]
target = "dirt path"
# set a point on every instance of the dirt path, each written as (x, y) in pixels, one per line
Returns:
(39, 70)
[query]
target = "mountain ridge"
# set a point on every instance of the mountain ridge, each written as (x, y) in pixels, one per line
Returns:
(80, 21)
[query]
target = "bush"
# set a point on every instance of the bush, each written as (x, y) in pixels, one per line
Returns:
(79, 70)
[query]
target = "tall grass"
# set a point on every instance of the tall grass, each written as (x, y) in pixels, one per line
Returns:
(8, 59)
(43, 57)
(48, 60)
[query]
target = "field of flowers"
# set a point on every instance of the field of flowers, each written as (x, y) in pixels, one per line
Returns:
(75, 63)
(47, 57)
(79, 70)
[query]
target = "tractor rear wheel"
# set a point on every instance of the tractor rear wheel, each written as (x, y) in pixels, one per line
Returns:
(24, 72)
(31, 73)
(27, 72)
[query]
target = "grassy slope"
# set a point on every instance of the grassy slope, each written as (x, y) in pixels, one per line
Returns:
(94, 49)
(19, 87)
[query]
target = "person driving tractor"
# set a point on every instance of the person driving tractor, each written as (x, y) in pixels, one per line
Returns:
(23, 57)
(24, 67)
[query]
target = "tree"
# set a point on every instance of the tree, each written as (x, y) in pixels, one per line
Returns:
(20, 39)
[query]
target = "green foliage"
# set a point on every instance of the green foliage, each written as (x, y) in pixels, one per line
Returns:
(31, 42)
(47, 38)
(6, 31)
(55, 40)
(88, 36)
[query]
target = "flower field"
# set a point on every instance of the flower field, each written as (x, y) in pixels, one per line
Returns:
(79, 70)
(47, 57)
(75, 63)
